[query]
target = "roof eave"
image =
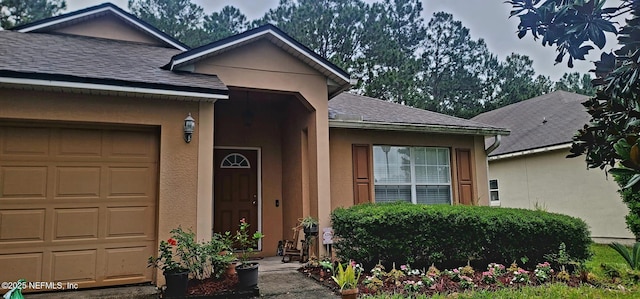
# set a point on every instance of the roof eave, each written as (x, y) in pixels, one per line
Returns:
(38, 25)
(143, 91)
(423, 128)
(326, 67)
(531, 151)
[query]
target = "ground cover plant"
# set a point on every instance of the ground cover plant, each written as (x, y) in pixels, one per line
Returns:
(589, 280)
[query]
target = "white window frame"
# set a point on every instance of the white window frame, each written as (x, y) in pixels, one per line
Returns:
(412, 164)
(494, 203)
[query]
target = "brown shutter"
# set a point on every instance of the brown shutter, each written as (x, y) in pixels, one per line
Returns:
(465, 177)
(361, 174)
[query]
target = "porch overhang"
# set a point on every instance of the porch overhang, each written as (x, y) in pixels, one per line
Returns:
(422, 128)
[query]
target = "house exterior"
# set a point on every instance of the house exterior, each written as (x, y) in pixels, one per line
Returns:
(530, 167)
(96, 166)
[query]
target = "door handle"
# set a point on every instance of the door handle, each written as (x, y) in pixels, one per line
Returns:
(254, 202)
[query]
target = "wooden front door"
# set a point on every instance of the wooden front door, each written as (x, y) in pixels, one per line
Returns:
(235, 189)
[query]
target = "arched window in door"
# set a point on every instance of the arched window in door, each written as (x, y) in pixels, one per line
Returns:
(235, 160)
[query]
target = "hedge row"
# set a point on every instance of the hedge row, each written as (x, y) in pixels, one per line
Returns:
(450, 235)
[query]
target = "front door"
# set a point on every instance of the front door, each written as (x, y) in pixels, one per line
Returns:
(235, 189)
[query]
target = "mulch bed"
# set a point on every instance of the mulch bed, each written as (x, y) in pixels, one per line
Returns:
(225, 287)
(443, 284)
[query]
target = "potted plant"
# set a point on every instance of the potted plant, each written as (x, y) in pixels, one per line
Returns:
(347, 280)
(309, 225)
(175, 274)
(247, 271)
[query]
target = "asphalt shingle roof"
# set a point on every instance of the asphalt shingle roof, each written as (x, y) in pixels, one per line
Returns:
(547, 120)
(95, 60)
(376, 110)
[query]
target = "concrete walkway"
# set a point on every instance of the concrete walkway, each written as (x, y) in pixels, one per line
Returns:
(282, 280)
(276, 280)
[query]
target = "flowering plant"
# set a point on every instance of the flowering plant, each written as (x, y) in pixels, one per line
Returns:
(246, 241)
(165, 260)
(520, 275)
(412, 286)
(543, 271)
(497, 269)
(489, 277)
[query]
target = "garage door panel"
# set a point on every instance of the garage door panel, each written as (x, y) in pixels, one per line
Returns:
(77, 182)
(74, 266)
(77, 205)
(128, 263)
(23, 265)
(79, 143)
(76, 223)
(130, 181)
(129, 222)
(22, 225)
(24, 142)
(132, 144)
(23, 182)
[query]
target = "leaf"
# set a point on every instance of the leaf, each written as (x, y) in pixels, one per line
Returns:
(624, 252)
(621, 171)
(634, 180)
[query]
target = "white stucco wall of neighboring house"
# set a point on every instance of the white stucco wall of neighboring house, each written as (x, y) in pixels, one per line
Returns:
(566, 186)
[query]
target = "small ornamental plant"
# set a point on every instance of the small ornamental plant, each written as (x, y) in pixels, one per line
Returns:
(520, 276)
(346, 277)
(489, 277)
(543, 272)
(466, 282)
(373, 283)
(412, 286)
(246, 241)
(165, 260)
(498, 270)
(428, 280)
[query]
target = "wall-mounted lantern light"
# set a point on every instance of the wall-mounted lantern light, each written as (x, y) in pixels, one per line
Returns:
(189, 126)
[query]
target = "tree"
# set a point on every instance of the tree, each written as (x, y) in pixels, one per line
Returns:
(457, 70)
(331, 28)
(229, 21)
(389, 65)
(516, 81)
(611, 138)
(574, 82)
(181, 19)
(18, 12)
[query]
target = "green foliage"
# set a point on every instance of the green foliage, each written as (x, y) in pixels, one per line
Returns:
(575, 82)
(246, 241)
(180, 19)
(631, 257)
(450, 235)
(227, 22)
(202, 259)
(346, 277)
(632, 199)
(18, 12)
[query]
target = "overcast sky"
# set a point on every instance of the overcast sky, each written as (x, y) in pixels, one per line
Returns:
(486, 19)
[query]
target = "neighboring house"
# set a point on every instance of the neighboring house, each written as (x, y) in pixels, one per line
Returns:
(530, 167)
(95, 167)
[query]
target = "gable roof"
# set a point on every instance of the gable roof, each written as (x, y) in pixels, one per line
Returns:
(70, 61)
(349, 110)
(97, 11)
(277, 37)
(544, 121)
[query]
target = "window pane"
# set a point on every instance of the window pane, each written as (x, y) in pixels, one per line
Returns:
(392, 165)
(391, 193)
(493, 184)
(420, 155)
(443, 156)
(432, 156)
(494, 196)
(433, 194)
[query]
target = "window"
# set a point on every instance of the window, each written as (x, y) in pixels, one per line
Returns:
(493, 191)
(412, 174)
(235, 161)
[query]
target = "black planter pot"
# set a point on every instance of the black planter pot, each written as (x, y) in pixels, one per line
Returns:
(311, 230)
(177, 283)
(247, 275)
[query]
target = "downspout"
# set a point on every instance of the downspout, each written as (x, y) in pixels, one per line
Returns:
(496, 143)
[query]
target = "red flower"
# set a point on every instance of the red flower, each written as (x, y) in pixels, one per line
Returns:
(243, 221)
(172, 242)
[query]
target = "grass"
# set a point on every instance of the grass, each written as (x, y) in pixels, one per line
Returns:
(602, 254)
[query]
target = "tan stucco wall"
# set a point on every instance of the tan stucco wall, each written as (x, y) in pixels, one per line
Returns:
(263, 66)
(563, 186)
(205, 131)
(342, 165)
(178, 169)
(108, 27)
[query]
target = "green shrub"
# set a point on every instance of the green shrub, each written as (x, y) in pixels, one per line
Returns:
(449, 235)
(632, 199)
